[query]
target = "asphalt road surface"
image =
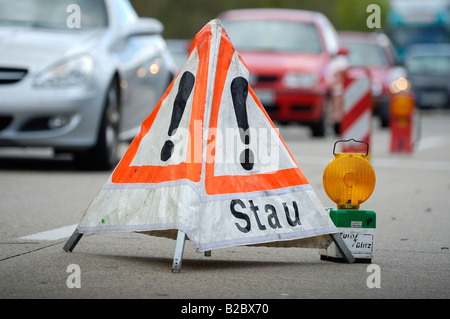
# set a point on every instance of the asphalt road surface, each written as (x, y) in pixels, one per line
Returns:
(42, 199)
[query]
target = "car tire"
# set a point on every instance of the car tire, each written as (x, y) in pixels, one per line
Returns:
(319, 128)
(105, 154)
(384, 117)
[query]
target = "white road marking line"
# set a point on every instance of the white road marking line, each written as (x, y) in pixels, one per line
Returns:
(431, 142)
(410, 164)
(383, 163)
(54, 234)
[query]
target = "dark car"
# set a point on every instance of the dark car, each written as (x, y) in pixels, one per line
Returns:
(295, 60)
(428, 67)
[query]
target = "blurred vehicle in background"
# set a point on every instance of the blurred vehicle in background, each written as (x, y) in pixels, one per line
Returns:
(428, 67)
(78, 86)
(375, 52)
(179, 49)
(295, 61)
(418, 21)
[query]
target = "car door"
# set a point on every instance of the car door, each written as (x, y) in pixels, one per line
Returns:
(336, 68)
(144, 75)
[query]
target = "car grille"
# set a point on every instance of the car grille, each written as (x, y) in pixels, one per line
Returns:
(11, 75)
(266, 78)
(36, 124)
(4, 121)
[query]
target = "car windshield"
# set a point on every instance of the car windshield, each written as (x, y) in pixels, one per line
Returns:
(272, 35)
(365, 54)
(60, 14)
(429, 64)
(405, 36)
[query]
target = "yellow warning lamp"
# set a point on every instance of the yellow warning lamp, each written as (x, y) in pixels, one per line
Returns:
(349, 179)
(402, 105)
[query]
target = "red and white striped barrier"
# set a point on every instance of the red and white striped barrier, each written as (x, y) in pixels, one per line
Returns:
(357, 113)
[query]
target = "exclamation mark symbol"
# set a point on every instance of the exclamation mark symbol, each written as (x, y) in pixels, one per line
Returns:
(239, 92)
(184, 91)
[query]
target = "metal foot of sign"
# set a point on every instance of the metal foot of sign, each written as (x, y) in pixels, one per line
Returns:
(179, 248)
(177, 258)
(181, 238)
(72, 242)
(340, 244)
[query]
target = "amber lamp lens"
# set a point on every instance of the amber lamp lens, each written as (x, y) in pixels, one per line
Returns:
(349, 180)
(402, 105)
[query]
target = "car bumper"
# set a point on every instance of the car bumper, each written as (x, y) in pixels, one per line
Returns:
(63, 119)
(381, 104)
(304, 106)
(432, 98)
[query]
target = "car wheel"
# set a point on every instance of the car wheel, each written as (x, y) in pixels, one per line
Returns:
(105, 154)
(319, 128)
(384, 117)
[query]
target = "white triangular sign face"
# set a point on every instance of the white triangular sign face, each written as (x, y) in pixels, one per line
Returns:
(209, 161)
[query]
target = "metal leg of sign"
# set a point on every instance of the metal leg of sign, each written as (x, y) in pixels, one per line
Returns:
(72, 242)
(179, 248)
(340, 244)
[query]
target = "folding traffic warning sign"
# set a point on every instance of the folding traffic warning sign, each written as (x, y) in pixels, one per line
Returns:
(208, 162)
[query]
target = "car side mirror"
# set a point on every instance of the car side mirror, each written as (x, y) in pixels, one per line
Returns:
(343, 51)
(145, 26)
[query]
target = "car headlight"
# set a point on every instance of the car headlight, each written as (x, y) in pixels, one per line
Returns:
(377, 88)
(399, 85)
(295, 80)
(70, 73)
(397, 80)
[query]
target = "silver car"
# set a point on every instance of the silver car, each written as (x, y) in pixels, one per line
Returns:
(78, 75)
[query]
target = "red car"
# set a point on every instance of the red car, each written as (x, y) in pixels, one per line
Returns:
(375, 52)
(295, 61)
